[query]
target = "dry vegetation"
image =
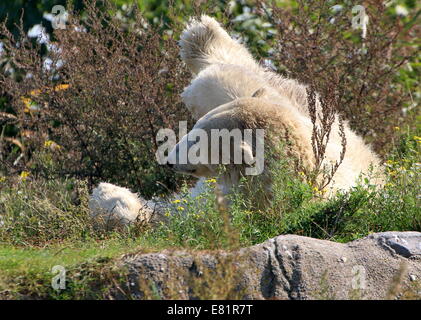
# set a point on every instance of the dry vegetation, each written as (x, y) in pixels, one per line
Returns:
(357, 76)
(94, 113)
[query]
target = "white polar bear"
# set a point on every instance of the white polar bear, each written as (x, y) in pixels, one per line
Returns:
(226, 72)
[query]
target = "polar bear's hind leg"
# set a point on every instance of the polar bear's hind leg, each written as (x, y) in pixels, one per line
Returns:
(205, 42)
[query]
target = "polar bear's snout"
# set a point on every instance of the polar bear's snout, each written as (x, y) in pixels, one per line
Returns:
(182, 160)
(177, 162)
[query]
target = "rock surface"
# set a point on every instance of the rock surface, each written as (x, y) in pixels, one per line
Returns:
(285, 267)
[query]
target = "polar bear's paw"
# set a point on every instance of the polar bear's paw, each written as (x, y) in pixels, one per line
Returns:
(113, 206)
(204, 42)
(198, 40)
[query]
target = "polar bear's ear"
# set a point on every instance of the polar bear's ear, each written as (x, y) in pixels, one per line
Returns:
(247, 152)
(259, 93)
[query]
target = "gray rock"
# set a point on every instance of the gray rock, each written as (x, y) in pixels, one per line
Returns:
(406, 244)
(285, 267)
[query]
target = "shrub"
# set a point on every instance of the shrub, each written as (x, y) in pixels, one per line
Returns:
(373, 75)
(98, 96)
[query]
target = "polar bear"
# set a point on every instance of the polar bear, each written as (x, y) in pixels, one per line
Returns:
(282, 123)
(228, 79)
(225, 71)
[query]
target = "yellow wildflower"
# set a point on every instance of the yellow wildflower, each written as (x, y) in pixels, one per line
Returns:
(61, 87)
(211, 180)
(176, 201)
(27, 102)
(49, 144)
(35, 92)
(24, 175)
(180, 208)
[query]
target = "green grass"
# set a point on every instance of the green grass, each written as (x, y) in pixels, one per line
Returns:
(27, 271)
(15, 260)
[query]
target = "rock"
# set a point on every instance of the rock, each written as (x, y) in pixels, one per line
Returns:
(285, 267)
(406, 244)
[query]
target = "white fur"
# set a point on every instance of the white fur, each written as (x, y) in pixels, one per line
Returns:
(219, 84)
(244, 112)
(112, 205)
(205, 43)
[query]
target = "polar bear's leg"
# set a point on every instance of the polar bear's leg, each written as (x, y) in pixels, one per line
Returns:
(112, 206)
(219, 84)
(205, 42)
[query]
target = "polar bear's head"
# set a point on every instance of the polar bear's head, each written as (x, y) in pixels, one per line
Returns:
(231, 135)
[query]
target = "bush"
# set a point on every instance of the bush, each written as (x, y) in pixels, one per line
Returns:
(95, 99)
(370, 79)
